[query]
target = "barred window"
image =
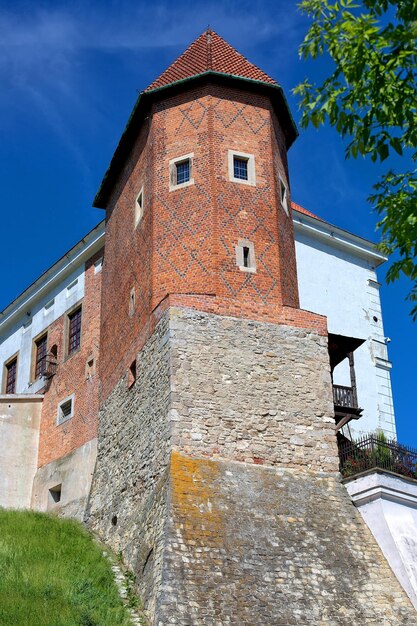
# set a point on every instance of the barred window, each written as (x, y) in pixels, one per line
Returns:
(240, 168)
(41, 352)
(74, 331)
(183, 172)
(11, 371)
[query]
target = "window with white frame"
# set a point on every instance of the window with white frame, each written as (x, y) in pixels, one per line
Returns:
(65, 409)
(283, 195)
(98, 265)
(241, 167)
(139, 207)
(245, 256)
(181, 172)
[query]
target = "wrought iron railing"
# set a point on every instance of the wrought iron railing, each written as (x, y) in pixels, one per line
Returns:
(343, 396)
(374, 451)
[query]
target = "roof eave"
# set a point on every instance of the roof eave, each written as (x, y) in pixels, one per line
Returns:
(338, 237)
(83, 249)
(146, 97)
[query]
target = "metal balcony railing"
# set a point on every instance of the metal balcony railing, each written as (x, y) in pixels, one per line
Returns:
(374, 451)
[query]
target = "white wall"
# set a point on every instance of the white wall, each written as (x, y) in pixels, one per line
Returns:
(19, 437)
(388, 504)
(342, 285)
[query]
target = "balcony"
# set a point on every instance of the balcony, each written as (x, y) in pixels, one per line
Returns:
(48, 366)
(376, 452)
(344, 397)
(345, 405)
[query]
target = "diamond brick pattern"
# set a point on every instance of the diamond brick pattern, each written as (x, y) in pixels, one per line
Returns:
(194, 114)
(228, 116)
(183, 252)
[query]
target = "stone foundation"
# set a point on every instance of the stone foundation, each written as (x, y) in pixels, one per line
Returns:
(271, 546)
(217, 479)
(128, 502)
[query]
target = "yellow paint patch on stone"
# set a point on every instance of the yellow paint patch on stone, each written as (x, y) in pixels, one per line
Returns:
(195, 500)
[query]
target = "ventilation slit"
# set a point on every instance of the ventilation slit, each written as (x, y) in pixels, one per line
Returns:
(245, 256)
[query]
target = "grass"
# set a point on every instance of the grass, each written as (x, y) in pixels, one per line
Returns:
(53, 574)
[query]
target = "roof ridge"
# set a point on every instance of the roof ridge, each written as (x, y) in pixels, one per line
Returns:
(209, 59)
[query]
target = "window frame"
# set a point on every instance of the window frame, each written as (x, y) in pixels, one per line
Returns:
(72, 311)
(6, 365)
(240, 256)
(173, 185)
(63, 419)
(244, 156)
(139, 208)
(35, 348)
(283, 202)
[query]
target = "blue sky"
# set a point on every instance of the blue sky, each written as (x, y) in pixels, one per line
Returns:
(70, 73)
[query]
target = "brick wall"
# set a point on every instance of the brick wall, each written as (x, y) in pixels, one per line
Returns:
(56, 441)
(184, 246)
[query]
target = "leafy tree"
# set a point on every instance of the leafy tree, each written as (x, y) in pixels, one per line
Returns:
(370, 97)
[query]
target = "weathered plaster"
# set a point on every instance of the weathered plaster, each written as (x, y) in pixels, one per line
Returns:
(19, 436)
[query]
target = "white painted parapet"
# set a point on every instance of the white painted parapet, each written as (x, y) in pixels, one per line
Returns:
(20, 417)
(388, 504)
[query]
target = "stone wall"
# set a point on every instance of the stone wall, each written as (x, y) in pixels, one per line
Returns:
(273, 546)
(251, 391)
(217, 480)
(128, 502)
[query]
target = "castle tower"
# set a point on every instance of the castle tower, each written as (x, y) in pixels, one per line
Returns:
(217, 464)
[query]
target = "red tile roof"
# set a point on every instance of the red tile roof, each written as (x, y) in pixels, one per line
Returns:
(210, 52)
(300, 209)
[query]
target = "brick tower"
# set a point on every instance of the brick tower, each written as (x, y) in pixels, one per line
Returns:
(217, 464)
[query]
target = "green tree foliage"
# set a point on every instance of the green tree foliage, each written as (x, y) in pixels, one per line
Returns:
(370, 97)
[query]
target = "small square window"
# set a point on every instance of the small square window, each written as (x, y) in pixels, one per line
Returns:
(283, 195)
(65, 410)
(98, 265)
(90, 367)
(245, 256)
(240, 168)
(183, 172)
(139, 207)
(180, 172)
(55, 494)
